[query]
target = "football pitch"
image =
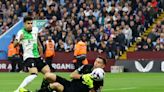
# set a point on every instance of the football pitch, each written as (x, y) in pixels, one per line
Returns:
(120, 82)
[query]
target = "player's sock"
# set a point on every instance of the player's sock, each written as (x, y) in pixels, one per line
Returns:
(27, 80)
(45, 83)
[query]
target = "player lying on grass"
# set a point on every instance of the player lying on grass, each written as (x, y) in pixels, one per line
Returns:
(87, 78)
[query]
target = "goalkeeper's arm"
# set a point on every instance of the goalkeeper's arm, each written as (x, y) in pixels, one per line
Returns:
(87, 79)
(75, 75)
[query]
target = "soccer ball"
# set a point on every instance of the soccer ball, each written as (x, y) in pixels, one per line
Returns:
(98, 74)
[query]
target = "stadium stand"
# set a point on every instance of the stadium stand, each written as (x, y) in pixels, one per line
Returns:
(150, 40)
(104, 24)
(8, 14)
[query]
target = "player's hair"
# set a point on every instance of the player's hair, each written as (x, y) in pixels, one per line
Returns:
(27, 18)
(104, 60)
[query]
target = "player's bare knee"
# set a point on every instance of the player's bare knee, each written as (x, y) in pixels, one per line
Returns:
(46, 69)
(50, 77)
(47, 75)
(57, 86)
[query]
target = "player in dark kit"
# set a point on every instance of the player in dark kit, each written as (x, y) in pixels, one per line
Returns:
(82, 81)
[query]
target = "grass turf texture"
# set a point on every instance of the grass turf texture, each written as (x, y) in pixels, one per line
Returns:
(121, 82)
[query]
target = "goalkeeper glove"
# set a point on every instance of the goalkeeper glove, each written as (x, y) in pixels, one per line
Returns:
(87, 80)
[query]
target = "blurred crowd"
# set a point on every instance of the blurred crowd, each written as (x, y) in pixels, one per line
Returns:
(109, 26)
(155, 39)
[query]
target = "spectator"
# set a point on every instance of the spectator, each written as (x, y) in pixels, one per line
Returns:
(69, 45)
(128, 34)
(4, 27)
(158, 46)
(111, 48)
(147, 45)
(87, 11)
(63, 36)
(60, 46)
(153, 35)
(150, 12)
(102, 47)
(135, 32)
(158, 26)
(92, 44)
(161, 38)
(141, 43)
(120, 40)
(154, 4)
(17, 11)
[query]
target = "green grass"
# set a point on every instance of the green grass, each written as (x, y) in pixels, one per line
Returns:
(121, 82)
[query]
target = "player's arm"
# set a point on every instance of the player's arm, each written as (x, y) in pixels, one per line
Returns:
(18, 38)
(16, 42)
(40, 47)
(75, 75)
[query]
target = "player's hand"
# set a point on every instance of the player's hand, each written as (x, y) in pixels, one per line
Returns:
(87, 80)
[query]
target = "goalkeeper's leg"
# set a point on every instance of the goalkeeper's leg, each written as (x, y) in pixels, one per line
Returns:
(52, 87)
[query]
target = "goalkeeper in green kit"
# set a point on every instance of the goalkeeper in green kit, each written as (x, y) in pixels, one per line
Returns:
(83, 80)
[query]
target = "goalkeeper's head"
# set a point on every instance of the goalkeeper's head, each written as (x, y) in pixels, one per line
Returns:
(100, 62)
